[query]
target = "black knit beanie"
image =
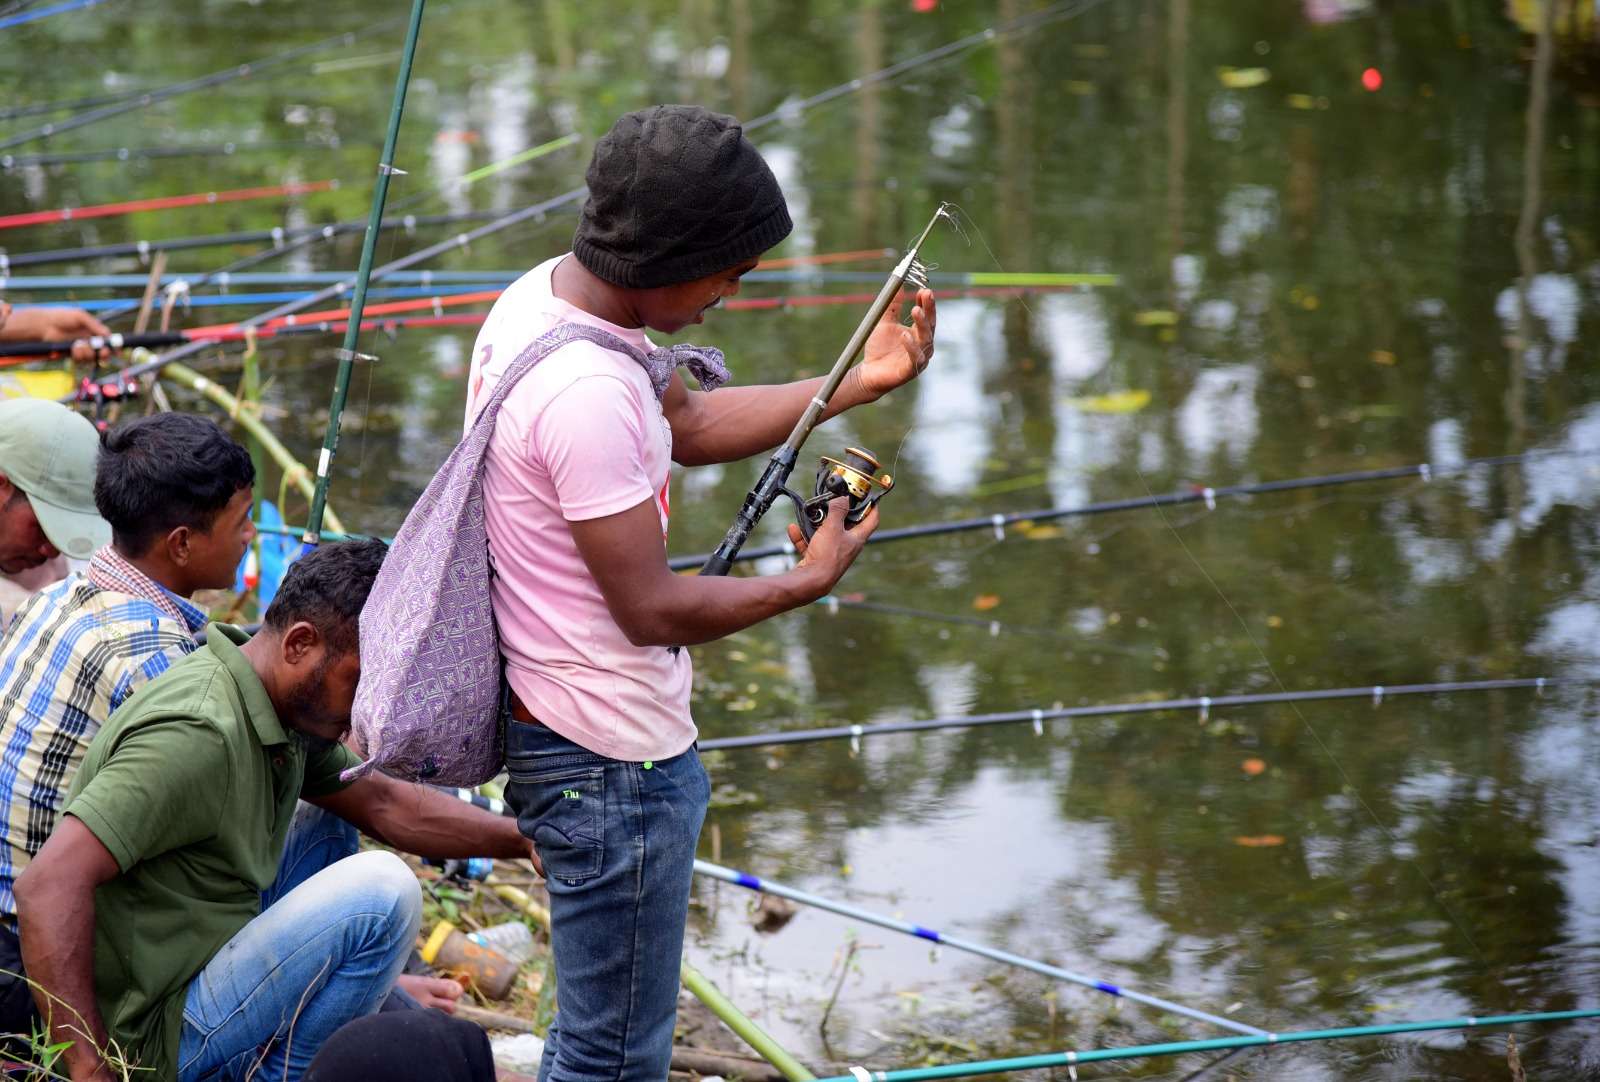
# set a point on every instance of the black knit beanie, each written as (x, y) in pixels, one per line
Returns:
(676, 193)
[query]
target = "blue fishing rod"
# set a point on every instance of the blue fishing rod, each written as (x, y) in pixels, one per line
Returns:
(894, 924)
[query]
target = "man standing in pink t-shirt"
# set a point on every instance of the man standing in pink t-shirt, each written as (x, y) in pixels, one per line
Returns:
(599, 736)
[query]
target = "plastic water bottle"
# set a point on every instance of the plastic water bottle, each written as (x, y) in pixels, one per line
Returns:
(512, 939)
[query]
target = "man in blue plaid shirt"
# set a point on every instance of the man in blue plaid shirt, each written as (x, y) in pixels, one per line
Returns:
(176, 491)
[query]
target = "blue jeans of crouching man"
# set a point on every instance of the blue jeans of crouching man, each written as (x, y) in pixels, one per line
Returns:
(618, 842)
(334, 932)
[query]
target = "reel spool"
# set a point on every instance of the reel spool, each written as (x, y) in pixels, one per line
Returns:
(856, 476)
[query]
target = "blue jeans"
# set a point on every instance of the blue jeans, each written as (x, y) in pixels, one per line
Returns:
(332, 936)
(618, 841)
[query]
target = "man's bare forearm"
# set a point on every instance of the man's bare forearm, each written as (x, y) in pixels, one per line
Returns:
(422, 820)
(687, 610)
(734, 423)
(56, 928)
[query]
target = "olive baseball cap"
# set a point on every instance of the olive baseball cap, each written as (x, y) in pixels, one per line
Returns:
(49, 452)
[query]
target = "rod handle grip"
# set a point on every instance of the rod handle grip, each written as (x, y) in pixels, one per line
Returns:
(716, 564)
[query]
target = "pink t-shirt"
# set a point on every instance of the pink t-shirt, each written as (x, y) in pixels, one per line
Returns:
(582, 436)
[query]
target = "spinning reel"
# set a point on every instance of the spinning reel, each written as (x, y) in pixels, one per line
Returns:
(856, 476)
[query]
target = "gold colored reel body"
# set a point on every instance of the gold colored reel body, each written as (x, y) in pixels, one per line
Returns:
(856, 476)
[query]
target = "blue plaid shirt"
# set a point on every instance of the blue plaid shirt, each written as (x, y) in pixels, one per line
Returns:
(73, 654)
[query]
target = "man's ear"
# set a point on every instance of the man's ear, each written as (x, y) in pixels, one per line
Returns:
(177, 545)
(300, 641)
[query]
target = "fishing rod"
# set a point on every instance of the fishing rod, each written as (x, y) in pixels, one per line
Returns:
(223, 274)
(54, 9)
(369, 246)
(1205, 494)
(1072, 1060)
(187, 86)
(334, 321)
(96, 342)
(225, 280)
(856, 475)
(539, 211)
(165, 202)
(1377, 693)
(187, 150)
(112, 306)
(894, 924)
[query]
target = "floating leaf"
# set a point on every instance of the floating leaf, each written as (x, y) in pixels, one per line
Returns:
(1274, 621)
(1253, 766)
(1302, 101)
(1035, 531)
(1384, 357)
(1115, 402)
(1259, 841)
(1243, 78)
(985, 602)
(1155, 317)
(1081, 87)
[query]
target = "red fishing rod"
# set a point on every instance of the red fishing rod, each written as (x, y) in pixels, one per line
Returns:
(165, 202)
(337, 318)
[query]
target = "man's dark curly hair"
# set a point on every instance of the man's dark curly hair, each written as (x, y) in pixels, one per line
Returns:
(327, 588)
(167, 470)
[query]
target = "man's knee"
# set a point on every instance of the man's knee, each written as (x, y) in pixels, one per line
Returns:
(389, 892)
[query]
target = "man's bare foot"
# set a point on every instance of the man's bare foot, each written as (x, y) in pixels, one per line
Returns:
(437, 992)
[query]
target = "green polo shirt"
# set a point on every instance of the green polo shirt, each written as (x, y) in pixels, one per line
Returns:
(191, 785)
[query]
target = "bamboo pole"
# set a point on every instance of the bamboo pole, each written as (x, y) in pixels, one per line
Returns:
(736, 1020)
(369, 247)
(294, 471)
(697, 983)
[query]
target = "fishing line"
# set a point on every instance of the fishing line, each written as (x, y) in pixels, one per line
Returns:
(173, 90)
(1344, 777)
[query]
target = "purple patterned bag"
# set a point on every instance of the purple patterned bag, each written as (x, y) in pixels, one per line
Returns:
(427, 707)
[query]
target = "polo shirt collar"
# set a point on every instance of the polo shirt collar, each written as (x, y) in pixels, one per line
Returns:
(224, 640)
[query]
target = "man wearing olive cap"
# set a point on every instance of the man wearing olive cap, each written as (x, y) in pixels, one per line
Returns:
(47, 511)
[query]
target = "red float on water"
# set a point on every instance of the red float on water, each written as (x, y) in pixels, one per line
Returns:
(1372, 79)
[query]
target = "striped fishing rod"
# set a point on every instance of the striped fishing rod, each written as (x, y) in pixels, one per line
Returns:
(486, 278)
(143, 98)
(1204, 704)
(1206, 494)
(994, 954)
(539, 211)
(1073, 1060)
(165, 202)
(9, 162)
(328, 234)
(111, 307)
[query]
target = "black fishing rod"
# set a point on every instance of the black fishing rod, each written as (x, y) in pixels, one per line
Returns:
(1195, 494)
(187, 150)
(538, 211)
(282, 239)
(96, 342)
(856, 476)
(188, 86)
(1377, 693)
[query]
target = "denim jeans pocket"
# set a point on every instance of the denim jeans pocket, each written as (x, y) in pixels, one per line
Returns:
(563, 811)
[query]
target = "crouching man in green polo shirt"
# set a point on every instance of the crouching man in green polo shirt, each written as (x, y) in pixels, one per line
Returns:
(142, 918)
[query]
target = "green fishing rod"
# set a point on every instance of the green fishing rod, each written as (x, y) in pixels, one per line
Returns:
(856, 475)
(369, 245)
